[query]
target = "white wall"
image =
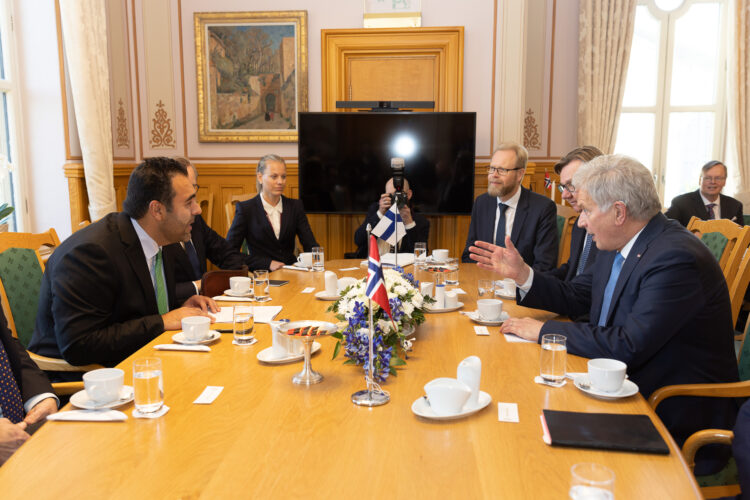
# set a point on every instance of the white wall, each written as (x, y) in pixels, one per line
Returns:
(43, 144)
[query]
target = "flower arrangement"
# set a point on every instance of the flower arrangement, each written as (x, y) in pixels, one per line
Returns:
(406, 308)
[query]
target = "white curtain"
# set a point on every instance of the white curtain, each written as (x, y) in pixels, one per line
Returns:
(84, 26)
(738, 96)
(605, 34)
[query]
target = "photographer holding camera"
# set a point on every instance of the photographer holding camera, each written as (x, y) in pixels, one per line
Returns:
(417, 226)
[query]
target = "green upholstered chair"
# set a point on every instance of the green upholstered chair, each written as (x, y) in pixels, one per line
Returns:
(730, 252)
(716, 242)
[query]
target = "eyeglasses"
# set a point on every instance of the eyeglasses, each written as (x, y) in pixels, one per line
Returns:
(569, 187)
(502, 171)
(715, 179)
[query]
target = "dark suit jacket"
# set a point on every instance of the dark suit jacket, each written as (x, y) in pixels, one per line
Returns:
(568, 270)
(97, 303)
(208, 244)
(30, 379)
(251, 223)
(670, 320)
(534, 228)
(691, 204)
(420, 232)
(741, 449)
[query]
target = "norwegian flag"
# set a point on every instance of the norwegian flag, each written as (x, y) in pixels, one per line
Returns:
(547, 181)
(375, 282)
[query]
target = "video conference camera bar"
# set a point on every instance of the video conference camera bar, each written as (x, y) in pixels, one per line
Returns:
(382, 106)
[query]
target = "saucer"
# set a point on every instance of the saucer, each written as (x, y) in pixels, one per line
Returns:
(301, 265)
(474, 316)
(81, 400)
(266, 355)
(179, 337)
(422, 408)
(506, 295)
(231, 293)
(628, 389)
(445, 309)
(322, 295)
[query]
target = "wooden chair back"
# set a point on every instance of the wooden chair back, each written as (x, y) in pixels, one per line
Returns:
(738, 285)
(726, 239)
(214, 283)
(566, 217)
(33, 241)
(229, 206)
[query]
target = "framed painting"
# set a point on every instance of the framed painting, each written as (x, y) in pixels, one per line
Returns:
(251, 75)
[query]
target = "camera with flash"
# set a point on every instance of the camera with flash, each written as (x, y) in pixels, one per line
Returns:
(397, 171)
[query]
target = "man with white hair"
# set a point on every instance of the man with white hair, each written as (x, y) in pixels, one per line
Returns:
(656, 296)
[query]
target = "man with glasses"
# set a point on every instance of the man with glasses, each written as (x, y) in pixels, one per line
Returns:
(707, 202)
(582, 248)
(509, 210)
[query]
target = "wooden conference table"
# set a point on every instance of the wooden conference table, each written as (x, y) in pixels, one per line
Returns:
(265, 437)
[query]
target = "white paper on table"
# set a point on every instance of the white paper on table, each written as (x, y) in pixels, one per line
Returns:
(261, 314)
(209, 395)
(88, 416)
(309, 289)
(507, 412)
(458, 290)
(180, 347)
(481, 330)
(224, 315)
(232, 299)
(349, 269)
(404, 259)
(509, 337)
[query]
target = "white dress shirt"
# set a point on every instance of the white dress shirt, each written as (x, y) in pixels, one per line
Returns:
(510, 215)
(717, 208)
(274, 214)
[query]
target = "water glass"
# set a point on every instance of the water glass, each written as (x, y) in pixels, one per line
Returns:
(261, 285)
(420, 254)
(318, 259)
(148, 385)
(243, 323)
(590, 480)
(553, 359)
(451, 275)
(486, 288)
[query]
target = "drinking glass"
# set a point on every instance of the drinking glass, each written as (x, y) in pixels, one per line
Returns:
(318, 259)
(451, 275)
(420, 254)
(486, 288)
(148, 385)
(590, 480)
(243, 323)
(553, 359)
(261, 285)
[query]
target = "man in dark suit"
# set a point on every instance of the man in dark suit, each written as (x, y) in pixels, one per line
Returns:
(707, 202)
(26, 396)
(507, 208)
(417, 226)
(656, 297)
(204, 242)
(109, 289)
(582, 249)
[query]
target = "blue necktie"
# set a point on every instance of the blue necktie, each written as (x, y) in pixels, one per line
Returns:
(500, 233)
(193, 258)
(610, 289)
(11, 404)
(584, 254)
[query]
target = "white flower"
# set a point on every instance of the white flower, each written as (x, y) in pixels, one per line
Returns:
(408, 309)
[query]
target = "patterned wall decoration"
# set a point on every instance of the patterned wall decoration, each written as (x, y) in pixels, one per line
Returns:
(531, 139)
(122, 127)
(162, 135)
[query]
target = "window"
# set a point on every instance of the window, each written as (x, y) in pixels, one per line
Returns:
(673, 114)
(10, 182)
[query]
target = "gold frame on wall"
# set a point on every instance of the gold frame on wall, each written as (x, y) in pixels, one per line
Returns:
(202, 20)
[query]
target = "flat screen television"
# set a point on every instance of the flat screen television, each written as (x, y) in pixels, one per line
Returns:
(345, 159)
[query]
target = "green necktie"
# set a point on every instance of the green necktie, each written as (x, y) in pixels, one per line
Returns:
(161, 288)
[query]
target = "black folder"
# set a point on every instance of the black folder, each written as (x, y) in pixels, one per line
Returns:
(604, 431)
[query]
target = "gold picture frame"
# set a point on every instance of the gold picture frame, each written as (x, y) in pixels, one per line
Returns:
(251, 71)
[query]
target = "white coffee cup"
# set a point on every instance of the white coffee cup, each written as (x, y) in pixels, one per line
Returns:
(447, 396)
(451, 299)
(103, 385)
(509, 286)
(607, 375)
(469, 371)
(279, 342)
(439, 297)
(490, 309)
(426, 288)
(240, 284)
(440, 254)
(331, 282)
(195, 328)
(344, 283)
(305, 258)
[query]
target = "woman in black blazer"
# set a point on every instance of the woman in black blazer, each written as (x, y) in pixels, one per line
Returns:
(270, 221)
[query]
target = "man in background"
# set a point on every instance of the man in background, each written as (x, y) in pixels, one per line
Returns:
(202, 243)
(417, 226)
(108, 289)
(582, 248)
(509, 209)
(707, 202)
